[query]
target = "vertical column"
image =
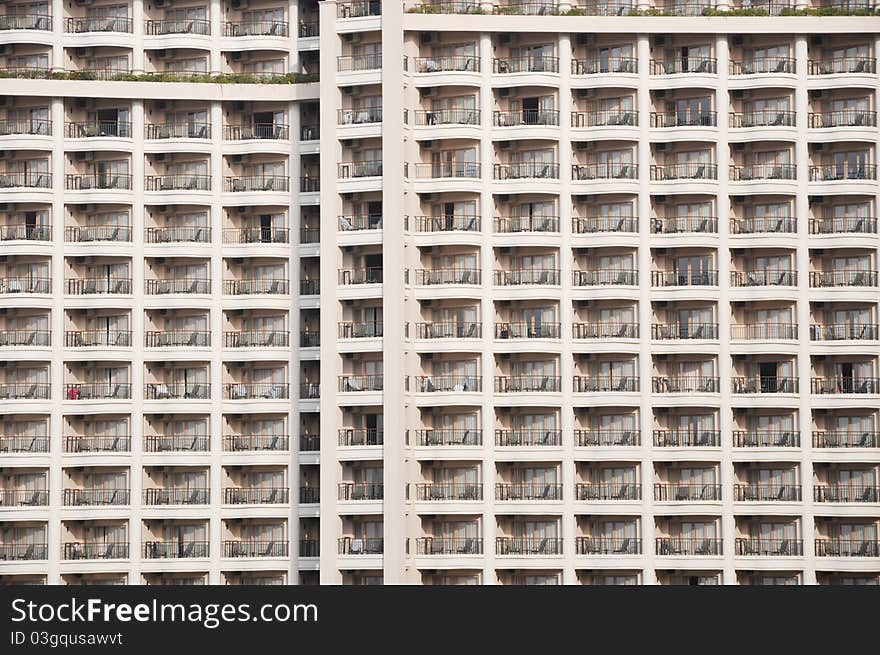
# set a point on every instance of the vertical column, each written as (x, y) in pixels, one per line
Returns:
(137, 19)
(215, 17)
(294, 421)
(566, 369)
(293, 36)
(216, 323)
(722, 207)
(487, 307)
(802, 265)
(136, 421)
(57, 63)
(393, 292)
(643, 262)
(56, 366)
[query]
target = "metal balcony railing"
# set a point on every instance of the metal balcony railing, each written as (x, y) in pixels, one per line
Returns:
(256, 391)
(350, 63)
(765, 331)
(591, 224)
(88, 129)
(675, 491)
(757, 546)
(843, 118)
(355, 383)
(685, 225)
(361, 546)
(605, 330)
(309, 548)
(526, 276)
(77, 550)
(687, 546)
(763, 225)
(450, 63)
(607, 438)
(843, 225)
(358, 9)
(452, 223)
(177, 131)
(26, 338)
(706, 278)
(177, 234)
(368, 275)
(24, 497)
(608, 491)
(853, 278)
(605, 118)
(29, 126)
(525, 330)
(24, 551)
(256, 183)
(309, 29)
(846, 439)
(166, 286)
(527, 383)
(604, 65)
(445, 383)
(254, 548)
(360, 491)
(763, 278)
(96, 443)
(670, 172)
(604, 383)
(837, 172)
(763, 118)
(470, 170)
(309, 184)
(361, 116)
(687, 438)
(256, 339)
(448, 117)
(763, 384)
(684, 65)
(449, 546)
(176, 549)
(89, 233)
(110, 24)
(767, 492)
(759, 65)
(182, 26)
(844, 384)
(684, 119)
(309, 390)
(842, 547)
(255, 495)
(309, 339)
(545, 117)
(249, 286)
(843, 65)
(542, 64)
(255, 442)
(97, 391)
(13, 443)
(586, 172)
(256, 234)
(845, 331)
(685, 384)
(177, 183)
(352, 169)
(766, 439)
(527, 438)
(763, 172)
(309, 495)
(627, 277)
(846, 493)
(75, 497)
(448, 276)
(360, 222)
(607, 546)
(162, 391)
(73, 182)
(177, 339)
(449, 437)
(25, 180)
(256, 28)
(177, 496)
(25, 232)
(515, 491)
(273, 131)
(444, 491)
(350, 330)
(464, 330)
(528, 546)
(360, 437)
(526, 170)
(26, 21)
(168, 443)
(25, 391)
(663, 331)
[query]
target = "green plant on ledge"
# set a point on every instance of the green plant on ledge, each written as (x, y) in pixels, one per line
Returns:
(229, 78)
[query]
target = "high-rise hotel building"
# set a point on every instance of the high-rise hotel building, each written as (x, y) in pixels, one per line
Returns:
(459, 293)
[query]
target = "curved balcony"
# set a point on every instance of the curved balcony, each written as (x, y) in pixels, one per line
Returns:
(763, 493)
(452, 223)
(24, 551)
(245, 235)
(177, 443)
(177, 183)
(605, 118)
(256, 183)
(845, 332)
(25, 284)
(765, 332)
(92, 129)
(685, 225)
(240, 443)
(684, 119)
(355, 383)
(685, 384)
(256, 339)
(351, 63)
(360, 546)
(449, 546)
(97, 182)
(517, 491)
(843, 225)
(177, 496)
(448, 383)
(368, 275)
(24, 498)
(766, 439)
(526, 170)
(364, 116)
(677, 492)
(80, 550)
(542, 64)
(96, 444)
(449, 437)
(686, 65)
(94, 497)
(272, 131)
(254, 548)
(23, 444)
(97, 338)
(584, 172)
(25, 391)
(255, 495)
(605, 277)
(250, 286)
(469, 170)
(843, 66)
(180, 391)
(763, 172)
(529, 546)
(604, 438)
(780, 225)
(763, 278)
(177, 286)
(92, 233)
(360, 437)
(830, 279)
(537, 117)
(451, 63)
(195, 26)
(607, 491)
(846, 439)
(667, 331)
(177, 234)
(604, 65)
(175, 549)
(528, 438)
(527, 383)
(430, 277)
(26, 21)
(277, 28)
(604, 384)
(26, 338)
(256, 391)
(708, 278)
(846, 493)
(445, 491)
(359, 330)
(672, 172)
(836, 173)
(763, 65)
(519, 277)
(845, 385)
(847, 548)
(525, 330)
(687, 546)
(607, 546)
(448, 117)
(605, 330)
(751, 547)
(25, 126)
(155, 131)
(607, 224)
(97, 391)
(26, 232)
(360, 491)
(763, 118)
(843, 118)
(25, 180)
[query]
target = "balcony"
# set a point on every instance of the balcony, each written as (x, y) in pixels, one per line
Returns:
(676, 492)
(350, 330)
(526, 276)
(528, 546)
(687, 438)
(518, 491)
(607, 438)
(25, 180)
(763, 278)
(161, 287)
(528, 438)
(763, 384)
(309, 495)
(97, 391)
(847, 548)
(26, 21)
(256, 339)
(608, 491)
(177, 183)
(25, 126)
(604, 384)
(759, 547)
(584, 172)
(177, 234)
(360, 491)
(361, 546)
(449, 437)
(428, 277)
(829, 279)
(843, 118)
(77, 550)
(97, 285)
(255, 495)
(163, 391)
(534, 64)
(604, 65)
(782, 225)
(451, 63)
(845, 332)
(24, 497)
(256, 183)
(846, 493)
(449, 546)
(447, 383)
(463, 330)
(666, 331)
(360, 437)
(250, 286)
(605, 118)
(671, 172)
(96, 444)
(309, 339)
(256, 391)
(447, 117)
(543, 117)
(527, 383)
(277, 28)
(845, 439)
(845, 385)
(154, 131)
(685, 225)
(368, 275)
(607, 546)
(687, 546)
(605, 330)
(366, 116)
(177, 339)
(763, 118)
(835, 173)
(357, 223)
(309, 184)
(309, 390)
(358, 9)
(272, 131)
(184, 26)
(24, 551)
(254, 548)
(766, 439)
(25, 391)
(173, 443)
(521, 330)
(26, 338)
(92, 233)
(684, 119)
(255, 442)
(526, 170)
(436, 171)
(310, 442)
(843, 225)
(91, 129)
(684, 65)
(355, 383)
(764, 493)
(763, 65)
(446, 491)
(177, 496)
(625, 277)
(175, 549)
(94, 497)
(14, 443)
(843, 65)
(354, 63)
(764, 332)
(763, 172)
(705, 278)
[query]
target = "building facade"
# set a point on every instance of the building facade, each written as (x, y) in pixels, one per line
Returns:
(628, 333)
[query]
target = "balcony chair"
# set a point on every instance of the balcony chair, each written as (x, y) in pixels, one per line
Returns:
(860, 67)
(700, 172)
(623, 173)
(705, 548)
(31, 392)
(623, 549)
